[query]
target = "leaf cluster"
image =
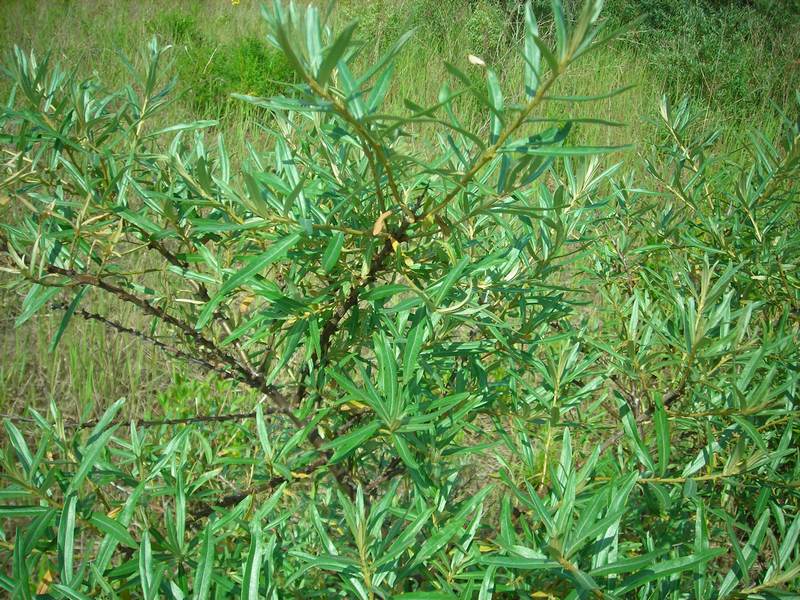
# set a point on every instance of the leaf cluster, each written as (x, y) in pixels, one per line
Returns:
(487, 365)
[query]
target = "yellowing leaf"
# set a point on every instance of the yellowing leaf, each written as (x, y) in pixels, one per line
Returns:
(379, 223)
(246, 302)
(44, 584)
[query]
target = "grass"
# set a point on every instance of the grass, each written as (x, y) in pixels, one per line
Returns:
(217, 50)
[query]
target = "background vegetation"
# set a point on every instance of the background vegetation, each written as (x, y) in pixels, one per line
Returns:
(682, 47)
(637, 419)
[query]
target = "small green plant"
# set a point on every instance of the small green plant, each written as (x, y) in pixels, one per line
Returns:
(210, 73)
(478, 362)
(487, 31)
(178, 27)
(209, 69)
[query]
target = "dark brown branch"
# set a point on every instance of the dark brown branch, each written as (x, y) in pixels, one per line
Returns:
(206, 509)
(146, 307)
(170, 350)
(395, 467)
(251, 378)
(78, 425)
(201, 292)
(675, 393)
(248, 376)
(331, 326)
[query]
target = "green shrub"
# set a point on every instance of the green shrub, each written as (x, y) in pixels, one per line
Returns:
(211, 73)
(738, 55)
(438, 24)
(486, 31)
(209, 70)
(485, 366)
(177, 27)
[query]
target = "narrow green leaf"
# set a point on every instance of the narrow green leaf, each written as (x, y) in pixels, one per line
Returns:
(205, 564)
(19, 569)
(559, 151)
(89, 460)
(259, 263)
(496, 104)
(426, 596)
(531, 53)
(546, 53)
(404, 452)
(252, 567)
(631, 430)
(20, 446)
(66, 539)
(105, 421)
(180, 509)
(146, 575)
(335, 53)
(626, 565)
(445, 285)
(414, 341)
(182, 127)
(292, 340)
(62, 327)
(345, 444)
(488, 583)
(444, 534)
(332, 251)
(68, 592)
(406, 539)
(740, 570)
(387, 371)
(665, 569)
(751, 431)
(263, 435)
(37, 297)
(789, 543)
(519, 562)
(662, 436)
(561, 27)
(113, 528)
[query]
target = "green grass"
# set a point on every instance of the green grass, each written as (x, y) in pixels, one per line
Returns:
(735, 62)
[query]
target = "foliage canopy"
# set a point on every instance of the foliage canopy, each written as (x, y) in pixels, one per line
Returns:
(488, 366)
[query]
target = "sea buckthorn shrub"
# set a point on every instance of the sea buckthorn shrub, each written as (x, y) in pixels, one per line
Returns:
(477, 360)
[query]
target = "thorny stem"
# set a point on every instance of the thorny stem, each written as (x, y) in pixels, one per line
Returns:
(255, 380)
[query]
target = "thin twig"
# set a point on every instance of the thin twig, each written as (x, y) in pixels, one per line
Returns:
(251, 378)
(332, 324)
(78, 425)
(170, 350)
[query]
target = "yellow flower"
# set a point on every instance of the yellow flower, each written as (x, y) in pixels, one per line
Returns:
(235, 2)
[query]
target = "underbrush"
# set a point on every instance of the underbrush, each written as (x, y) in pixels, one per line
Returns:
(457, 343)
(738, 57)
(210, 69)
